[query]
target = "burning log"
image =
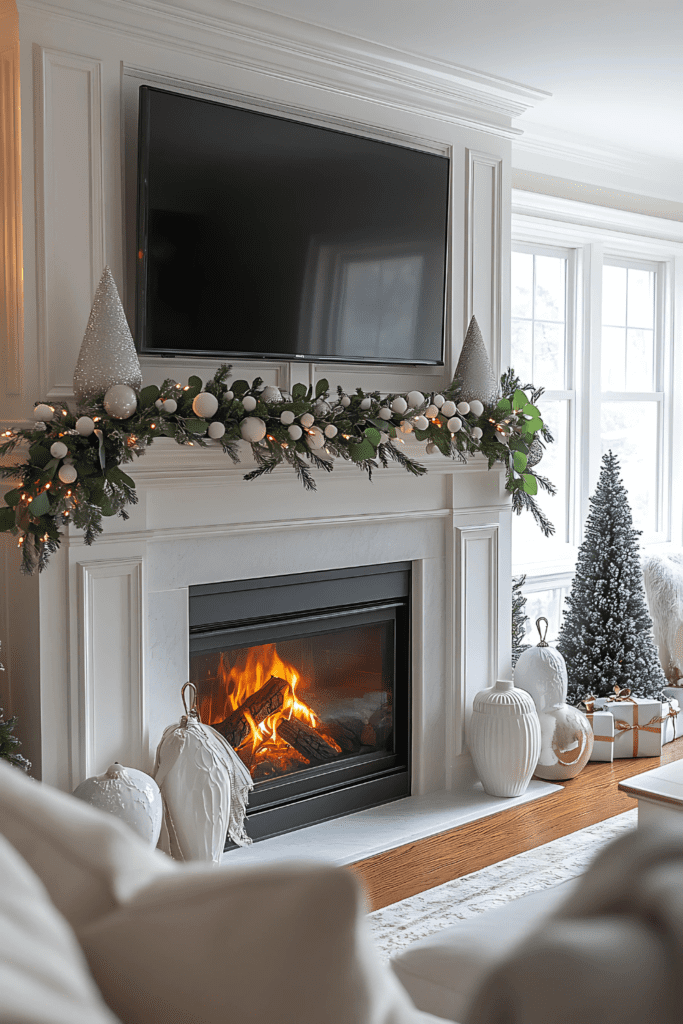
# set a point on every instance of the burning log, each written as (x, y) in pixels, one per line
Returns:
(346, 732)
(307, 741)
(259, 705)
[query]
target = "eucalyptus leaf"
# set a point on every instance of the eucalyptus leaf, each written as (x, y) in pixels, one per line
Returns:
(7, 519)
(299, 391)
(148, 396)
(196, 426)
(195, 382)
(108, 508)
(422, 435)
(13, 498)
(38, 456)
(40, 505)
(529, 483)
(322, 387)
(504, 405)
(239, 387)
(372, 435)
(519, 461)
(533, 425)
(362, 451)
(519, 400)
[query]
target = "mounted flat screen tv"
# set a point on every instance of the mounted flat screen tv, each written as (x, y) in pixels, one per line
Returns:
(264, 237)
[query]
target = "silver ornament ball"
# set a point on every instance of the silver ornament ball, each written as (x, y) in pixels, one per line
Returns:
(120, 401)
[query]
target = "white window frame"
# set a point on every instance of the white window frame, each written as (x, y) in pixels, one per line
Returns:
(592, 236)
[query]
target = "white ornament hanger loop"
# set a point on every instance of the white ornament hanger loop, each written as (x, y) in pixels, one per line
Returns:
(193, 710)
(543, 635)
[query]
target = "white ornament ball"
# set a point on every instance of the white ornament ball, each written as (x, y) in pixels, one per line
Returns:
(315, 438)
(420, 422)
(503, 438)
(345, 401)
(228, 396)
(253, 429)
(384, 413)
(431, 448)
(170, 405)
(58, 450)
(216, 430)
(205, 405)
(463, 408)
(307, 420)
(85, 426)
(383, 438)
(294, 431)
(406, 427)
(365, 404)
(40, 425)
(129, 794)
(448, 409)
(476, 407)
(67, 474)
(438, 401)
(271, 394)
(159, 403)
(431, 412)
(415, 399)
(477, 433)
(399, 405)
(287, 417)
(331, 430)
(43, 412)
(321, 409)
(454, 424)
(120, 401)
(249, 403)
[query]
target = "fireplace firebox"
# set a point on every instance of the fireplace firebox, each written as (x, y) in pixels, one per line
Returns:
(308, 677)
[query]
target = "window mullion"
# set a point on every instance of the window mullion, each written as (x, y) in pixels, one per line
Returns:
(588, 416)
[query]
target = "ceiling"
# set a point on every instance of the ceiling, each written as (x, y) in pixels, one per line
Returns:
(615, 69)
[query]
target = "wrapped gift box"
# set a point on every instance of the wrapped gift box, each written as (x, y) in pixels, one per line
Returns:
(602, 724)
(674, 723)
(640, 725)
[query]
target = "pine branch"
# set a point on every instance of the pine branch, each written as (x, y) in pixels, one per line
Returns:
(389, 451)
(521, 501)
(546, 484)
(301, 469)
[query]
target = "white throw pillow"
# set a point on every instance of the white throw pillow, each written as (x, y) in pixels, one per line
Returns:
(285, 943)
(88, 860)
(43, 976)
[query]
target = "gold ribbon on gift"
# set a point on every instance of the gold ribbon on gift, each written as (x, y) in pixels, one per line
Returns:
(589, 702)
(622, 693)
(650, 726)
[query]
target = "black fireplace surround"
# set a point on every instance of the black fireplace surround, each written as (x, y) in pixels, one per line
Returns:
(308, 677)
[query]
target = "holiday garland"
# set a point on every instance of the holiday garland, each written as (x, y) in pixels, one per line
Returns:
(72, 472)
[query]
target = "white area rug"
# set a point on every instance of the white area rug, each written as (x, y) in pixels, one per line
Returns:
(400, 924)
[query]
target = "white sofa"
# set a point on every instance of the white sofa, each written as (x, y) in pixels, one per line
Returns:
(97, 928)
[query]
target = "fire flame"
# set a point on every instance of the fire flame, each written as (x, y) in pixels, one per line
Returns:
(239, 682)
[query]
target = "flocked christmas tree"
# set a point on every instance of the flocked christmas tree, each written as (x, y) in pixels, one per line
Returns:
(519, 619)
(9, 743)
(606, 636)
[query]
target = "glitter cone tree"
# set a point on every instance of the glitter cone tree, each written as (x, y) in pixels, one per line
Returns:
(606, 636)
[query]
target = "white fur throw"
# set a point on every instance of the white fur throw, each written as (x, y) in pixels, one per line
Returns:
(663, 575)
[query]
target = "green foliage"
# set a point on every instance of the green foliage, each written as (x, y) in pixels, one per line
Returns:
(9, 743)
(519, 618)
(606, 635)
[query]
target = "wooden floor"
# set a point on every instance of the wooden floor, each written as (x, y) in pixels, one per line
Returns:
(591, 797)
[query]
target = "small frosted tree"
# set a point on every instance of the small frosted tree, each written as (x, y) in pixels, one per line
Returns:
(606, 635)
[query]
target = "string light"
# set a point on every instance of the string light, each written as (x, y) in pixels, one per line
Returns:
(65, 412)
(68, 494)
(154, 426)
(48, 486)
(20, 542)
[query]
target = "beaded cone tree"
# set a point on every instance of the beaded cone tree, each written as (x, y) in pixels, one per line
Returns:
(606, 636)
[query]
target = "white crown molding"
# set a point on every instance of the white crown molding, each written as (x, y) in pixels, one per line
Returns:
(278, 46)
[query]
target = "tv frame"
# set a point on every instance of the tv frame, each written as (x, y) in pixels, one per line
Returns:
(300, 117)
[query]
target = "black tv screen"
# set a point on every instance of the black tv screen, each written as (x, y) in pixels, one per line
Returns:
(260, 236)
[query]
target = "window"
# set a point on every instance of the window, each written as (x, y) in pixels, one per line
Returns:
(592, 321)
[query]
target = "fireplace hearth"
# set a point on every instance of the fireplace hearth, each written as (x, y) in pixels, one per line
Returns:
(308, 677)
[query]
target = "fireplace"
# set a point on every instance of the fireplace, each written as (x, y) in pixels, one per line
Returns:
(308, 677)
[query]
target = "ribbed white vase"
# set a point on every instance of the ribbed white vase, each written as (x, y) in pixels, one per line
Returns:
(504, 739)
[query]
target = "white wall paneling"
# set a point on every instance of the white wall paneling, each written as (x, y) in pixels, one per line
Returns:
(69, 209)
(484, 238)
(108, 712)
(11, 279)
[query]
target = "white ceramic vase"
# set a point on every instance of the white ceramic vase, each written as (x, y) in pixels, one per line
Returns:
(566, 735)
(128, 793)
(504, 739)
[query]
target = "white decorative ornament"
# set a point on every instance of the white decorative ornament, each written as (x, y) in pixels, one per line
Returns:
(228, 396)
(315, 438)
(504, 738)
(415, 399)
(249, 403)
(399, 405)
(252, 429)
(431, 412)
(40, 425)
(131, 795)
(385, 413)
(474, 370)
(431, 448)
(321, 409)
(159, 403)
(294, 431)
(566, 734)
(43, 412)
(331, 430)
(170, 405)
(345, 401)
(477, 433)
(463, 408)
(420, 422)
(67, 473)
(271, 394)
(502, 437)
(365, 404)
(58, 450)
(406, 427)
(205, 405)
(120, 402)
(438, 401)
(216, 430)
(307, 420)
(448, 409)
(476, 407)
(287, 417)
(107, 354)
(383, 437)
(204, 786)
(454, 424)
